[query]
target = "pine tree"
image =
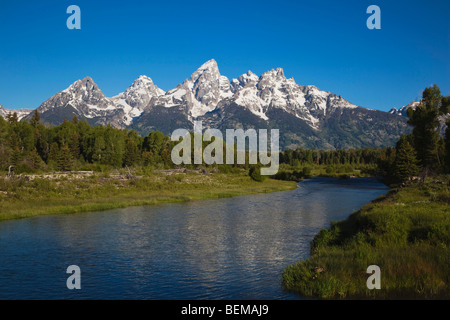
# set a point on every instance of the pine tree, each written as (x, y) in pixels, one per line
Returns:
(406, 163)
(12, 118)
(35, 159)
(74, 145)
(65, 159)
(131, 155)
(14, 143)
(35, 119)
(425, 121)
(53, 155)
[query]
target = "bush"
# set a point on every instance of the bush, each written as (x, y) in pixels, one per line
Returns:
(255, 173)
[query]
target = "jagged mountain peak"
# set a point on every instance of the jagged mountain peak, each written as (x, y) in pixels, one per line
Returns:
(145, 81)
(209, 65)
(142, 86)
(277, 74)
(243, 80)
(85, 85)
(209, 71)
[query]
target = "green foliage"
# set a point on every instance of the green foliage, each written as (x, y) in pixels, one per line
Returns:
(255, 173)
(406, 163)
(425, 121)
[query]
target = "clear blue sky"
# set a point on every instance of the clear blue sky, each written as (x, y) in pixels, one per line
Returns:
(323, 43)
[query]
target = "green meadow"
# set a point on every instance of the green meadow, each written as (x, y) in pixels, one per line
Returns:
(406, 233)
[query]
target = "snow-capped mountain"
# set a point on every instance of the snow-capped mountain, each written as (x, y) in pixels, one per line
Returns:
(84, 99)
(200, 93)
(206, 89)
(21, 113)
(403, 110)
(305, 115)
(137, 97)
(273, 90)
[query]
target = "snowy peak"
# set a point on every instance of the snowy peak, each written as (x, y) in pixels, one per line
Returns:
(208, 70)
(208, 86)
(199, 94)
(139, 94)
(403, 110)
(85, 85)
(242, 80)
(85, 90)
(144, 85)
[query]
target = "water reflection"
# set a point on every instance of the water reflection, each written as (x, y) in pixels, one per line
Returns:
(232, 248)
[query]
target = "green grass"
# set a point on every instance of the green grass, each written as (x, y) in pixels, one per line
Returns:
(101, 191)
(406, 233)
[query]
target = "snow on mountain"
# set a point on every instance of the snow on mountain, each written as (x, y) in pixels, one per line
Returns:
(21, 113)
(84, 99)
(200, 93)
(207, 89)
(137, 97)
(403, 110)
(274, 90)
(242, 81)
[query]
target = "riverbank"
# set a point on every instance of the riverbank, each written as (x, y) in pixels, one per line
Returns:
(29, 196)
(406, 233)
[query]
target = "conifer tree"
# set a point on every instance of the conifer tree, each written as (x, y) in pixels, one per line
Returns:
(406, 163)
(131, 155)
(74, 145)
(53, 155)
(65, 159)
(36, 118)
(425, 121)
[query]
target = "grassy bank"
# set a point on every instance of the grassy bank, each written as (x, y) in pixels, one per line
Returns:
(406, 233)
(29, 196)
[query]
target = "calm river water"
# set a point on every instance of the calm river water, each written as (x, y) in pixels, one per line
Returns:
(234, 248)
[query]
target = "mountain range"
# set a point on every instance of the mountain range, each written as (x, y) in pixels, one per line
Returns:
(305, 115)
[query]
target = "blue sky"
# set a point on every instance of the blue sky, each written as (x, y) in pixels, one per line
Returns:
(322, 43)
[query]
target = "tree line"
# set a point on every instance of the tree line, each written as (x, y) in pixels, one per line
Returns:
(76, 145)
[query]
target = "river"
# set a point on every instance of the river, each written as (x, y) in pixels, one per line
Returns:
(234, 248)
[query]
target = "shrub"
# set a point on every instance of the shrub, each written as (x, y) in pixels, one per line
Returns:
(255, 173)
